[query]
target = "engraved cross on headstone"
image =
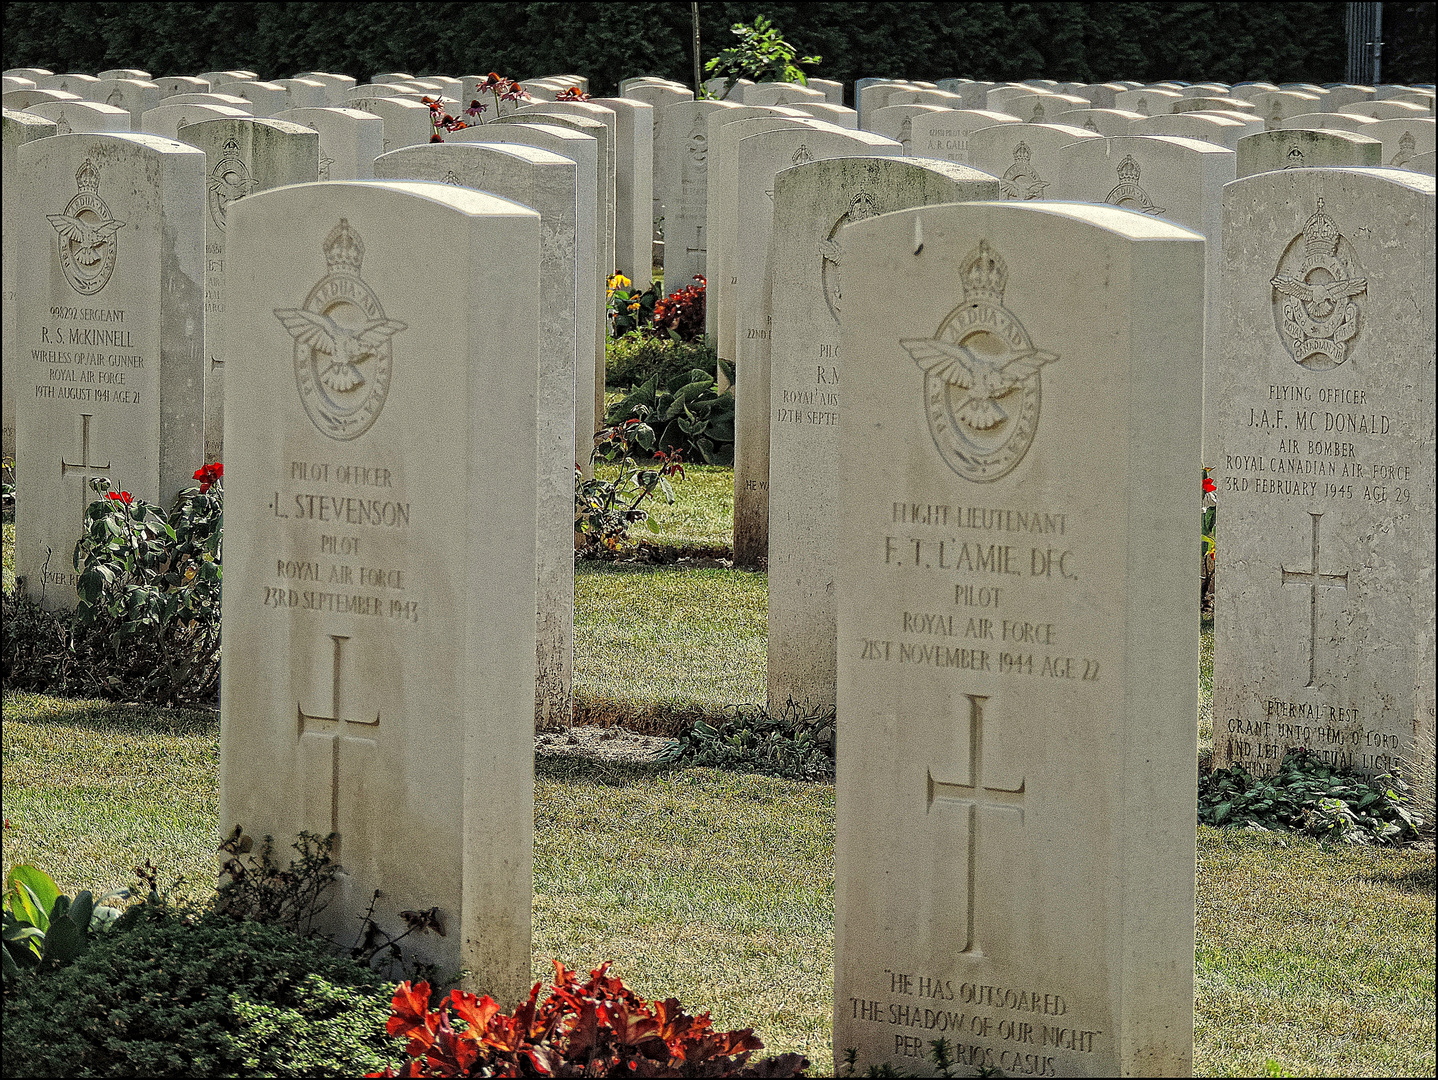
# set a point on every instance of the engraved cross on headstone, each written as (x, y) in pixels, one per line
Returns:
(336, 726)
(1315, 581)
(85, 467)
(971, 798)
(696, 250)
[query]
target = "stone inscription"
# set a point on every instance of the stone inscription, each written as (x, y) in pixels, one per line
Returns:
(817, 405)
(1322, 444)
(88, 355)
(338, 575)
(970, 628)
(1021, 1031)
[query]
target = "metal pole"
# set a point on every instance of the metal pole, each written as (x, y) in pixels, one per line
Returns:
(698, 72)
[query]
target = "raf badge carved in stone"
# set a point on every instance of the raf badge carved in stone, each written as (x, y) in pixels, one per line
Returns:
(981, 376)
(1022, 180)
(343, 356)
(1129, 194)
(861, 206)
(1315, 294)
(86, 231)
(230, 179)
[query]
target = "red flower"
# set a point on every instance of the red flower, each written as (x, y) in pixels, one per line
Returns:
(209, 475)
(435, 138)
(121, 496)
(1209, 485)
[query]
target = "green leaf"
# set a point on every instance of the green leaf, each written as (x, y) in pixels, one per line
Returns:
(34, 889)
(64, 941)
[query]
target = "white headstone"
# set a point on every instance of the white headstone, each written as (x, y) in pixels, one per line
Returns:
(182, 84)
(1031, 902)
(1297, 148)
(268, 98)
(112, 320)
(604, 239)
(1179, 180)
(1105, 122)
(82, 117)
(633, 188)
(380, 553)
(75, 83)
(19, 128)
(814, 206)
(945, 135)
(683, 147)
(590, 283)
(760, 157)
(243, 155)
(135, 96)
(1219, 130)
(1321, 418)
(897, 122)
(1026, 159)
(407, 121)
(1403, 139)
(227, 101)
(166, 120)
(20, 100)
(659, 96)
(1387, 110)
(548, 183)
(337, 87)
(350, 140)
(838, 115)
(721, 209)
(1146, 102)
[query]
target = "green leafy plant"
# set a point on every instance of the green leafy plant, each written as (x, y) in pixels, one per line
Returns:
(149, 590)
(1306, 796)
(608, 504)
(797, 744)
(594, 1028)
(168, 992)
(44, 928)
(687, 410)
(635, 357)
(761, 55)
(7, 488)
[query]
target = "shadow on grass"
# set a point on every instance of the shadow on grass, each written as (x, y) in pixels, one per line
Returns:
(1419, 878)
(576, 769)
(95, 714)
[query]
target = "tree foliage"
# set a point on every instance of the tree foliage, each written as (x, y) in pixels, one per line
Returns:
(1231, 42)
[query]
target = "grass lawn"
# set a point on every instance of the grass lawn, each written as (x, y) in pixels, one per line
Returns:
(718, 888)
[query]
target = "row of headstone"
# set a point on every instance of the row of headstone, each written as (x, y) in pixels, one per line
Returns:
(957, 585)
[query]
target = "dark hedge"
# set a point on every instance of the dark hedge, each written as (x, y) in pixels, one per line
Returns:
(1230, 42)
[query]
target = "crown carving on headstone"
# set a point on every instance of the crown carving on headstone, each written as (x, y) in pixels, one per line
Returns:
(344, 251)
(231, 147)
(802, 156)
(1128, 170)
(1406, 142)
(1320, 233)
(1022, 153)
(1295, 157)
(87, 177)
(984, 274)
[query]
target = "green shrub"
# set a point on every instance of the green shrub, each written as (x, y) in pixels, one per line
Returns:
(635, 358)
(797, 744)
(167, 994)
(1309, 797)
(686, 411)
(147, 624)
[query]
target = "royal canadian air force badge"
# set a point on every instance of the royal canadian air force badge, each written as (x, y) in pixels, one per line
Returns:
(86, 231)
(1316, 294)
(343, 356)
(981, 376)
